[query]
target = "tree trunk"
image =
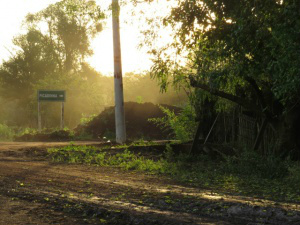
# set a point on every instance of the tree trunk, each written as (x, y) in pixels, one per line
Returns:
(260, 134)
(196, 139)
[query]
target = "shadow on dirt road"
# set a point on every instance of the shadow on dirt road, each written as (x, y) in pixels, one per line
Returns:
(34, 190)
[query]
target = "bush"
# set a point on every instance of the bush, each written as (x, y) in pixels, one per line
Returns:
(183, 125)
(85, 119)
(6, 133)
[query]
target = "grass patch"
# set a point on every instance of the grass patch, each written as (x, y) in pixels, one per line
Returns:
(249, 174)
(97, 156)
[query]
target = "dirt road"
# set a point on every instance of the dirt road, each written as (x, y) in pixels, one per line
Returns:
(33, 190)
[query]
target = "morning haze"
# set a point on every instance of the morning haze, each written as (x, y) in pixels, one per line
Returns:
(149, 112)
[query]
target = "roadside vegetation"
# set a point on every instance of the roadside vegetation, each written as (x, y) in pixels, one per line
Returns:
(248, 174)
(218, 112)
(6, 132)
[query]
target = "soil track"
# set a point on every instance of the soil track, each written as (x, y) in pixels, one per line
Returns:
(34, 190)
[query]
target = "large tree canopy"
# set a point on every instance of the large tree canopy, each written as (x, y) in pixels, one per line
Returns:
(55, 45)
(51, 55)
(70, 26)
(247, 49)
(243, 51)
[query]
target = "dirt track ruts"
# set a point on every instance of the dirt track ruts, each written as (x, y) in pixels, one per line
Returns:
(33, 190)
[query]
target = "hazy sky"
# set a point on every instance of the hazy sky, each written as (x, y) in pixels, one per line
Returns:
(12, 13)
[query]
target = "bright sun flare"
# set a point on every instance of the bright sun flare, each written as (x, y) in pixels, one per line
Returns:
(12, 13)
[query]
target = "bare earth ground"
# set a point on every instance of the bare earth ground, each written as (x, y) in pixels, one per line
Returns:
(33, 190)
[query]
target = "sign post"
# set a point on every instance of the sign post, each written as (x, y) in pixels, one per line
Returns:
(51, 96)
(39, 117)
(62, 125)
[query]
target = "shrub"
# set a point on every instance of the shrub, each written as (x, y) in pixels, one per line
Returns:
(182, 125)
(6, 133)
(85, 119)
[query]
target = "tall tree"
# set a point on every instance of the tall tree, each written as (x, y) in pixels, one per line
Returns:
(56, 44)
(51, 54)
(244, 51)
(34, 61)
(70, 26)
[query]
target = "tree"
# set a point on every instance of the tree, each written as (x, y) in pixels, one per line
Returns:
(243, 51)
(34, 61)
(56, 51)
(52, 51)
(70, 26)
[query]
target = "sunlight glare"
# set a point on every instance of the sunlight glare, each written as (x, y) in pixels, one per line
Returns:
(134, 59)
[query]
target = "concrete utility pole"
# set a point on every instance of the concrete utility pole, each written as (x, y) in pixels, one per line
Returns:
(119, 98)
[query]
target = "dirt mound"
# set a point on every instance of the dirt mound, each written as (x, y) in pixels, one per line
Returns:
(137, 124)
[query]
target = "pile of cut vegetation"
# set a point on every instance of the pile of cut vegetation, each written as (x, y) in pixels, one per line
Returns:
(137, 117)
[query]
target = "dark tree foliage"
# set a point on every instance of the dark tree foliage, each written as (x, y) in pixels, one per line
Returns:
(244, 51)
(33, 62)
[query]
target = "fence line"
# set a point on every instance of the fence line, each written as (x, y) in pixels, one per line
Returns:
(236, 127)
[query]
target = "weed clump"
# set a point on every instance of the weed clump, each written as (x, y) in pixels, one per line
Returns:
(181, 125)
(92, 155)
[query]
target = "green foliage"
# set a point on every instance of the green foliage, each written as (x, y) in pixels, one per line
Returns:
(230, 176)
(241, 48)
(51, 55)
(168, 153)
(86, 119)
(248, 174)
(250, 163)
(53, 52)
(76, 154)
(71, 25)
(93, 155)
(294, 173)
(28, 130)
(6, 133)
(139, 99)
(9, 133)
(182, 125)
